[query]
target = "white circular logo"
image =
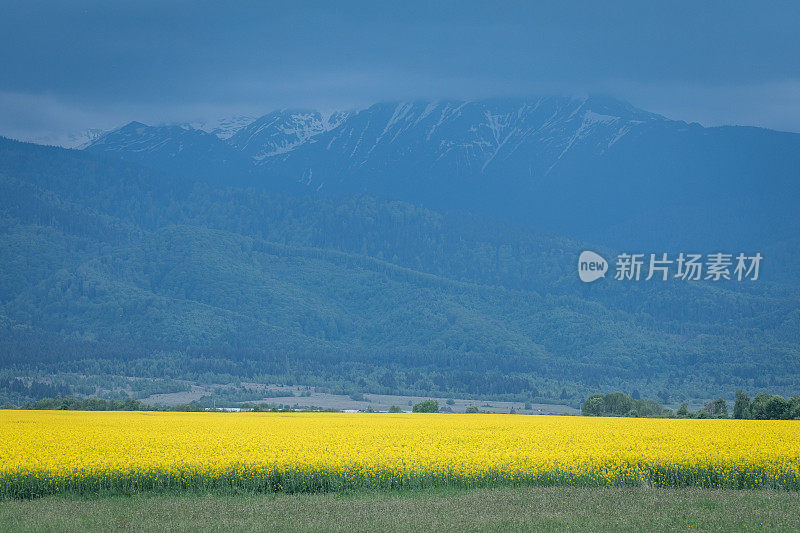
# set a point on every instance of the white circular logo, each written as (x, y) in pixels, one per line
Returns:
(591, 266)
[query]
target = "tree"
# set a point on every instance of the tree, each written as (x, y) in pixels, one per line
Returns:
(741, 408)
(472, 409)
(794, 403)
(594, 406)
(683, 411)
(759, 406)
(619, 404)
(777, 408)
(717, 408)
(394, 409)
(427, 406)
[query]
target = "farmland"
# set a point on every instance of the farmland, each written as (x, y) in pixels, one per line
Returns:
(56, 452)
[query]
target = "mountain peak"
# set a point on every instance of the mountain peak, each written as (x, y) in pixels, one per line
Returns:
(134, 125)
(607, 105)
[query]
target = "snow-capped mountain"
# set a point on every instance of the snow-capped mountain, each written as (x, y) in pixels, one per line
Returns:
(549, 161)
(218, 151)
(446, 137)
(458, 139)
(473, 136)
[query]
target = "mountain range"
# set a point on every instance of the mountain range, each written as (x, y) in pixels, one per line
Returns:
(595, 168)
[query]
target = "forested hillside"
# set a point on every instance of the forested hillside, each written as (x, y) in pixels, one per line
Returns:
(107, 267)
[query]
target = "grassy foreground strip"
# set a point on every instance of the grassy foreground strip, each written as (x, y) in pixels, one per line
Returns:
(441, 510)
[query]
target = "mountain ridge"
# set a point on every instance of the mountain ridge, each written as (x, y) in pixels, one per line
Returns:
(547, 162)
(310, 123)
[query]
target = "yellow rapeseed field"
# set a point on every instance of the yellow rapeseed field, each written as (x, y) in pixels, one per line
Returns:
(44, 452)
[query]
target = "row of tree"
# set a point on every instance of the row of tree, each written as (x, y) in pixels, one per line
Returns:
(766, 407)
(620, 404)
(763, 407)
(71, 403)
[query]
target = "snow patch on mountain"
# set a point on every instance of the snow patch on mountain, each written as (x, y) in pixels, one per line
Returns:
(281, 132)
(590, 117)
(223, 127)
(79, 141)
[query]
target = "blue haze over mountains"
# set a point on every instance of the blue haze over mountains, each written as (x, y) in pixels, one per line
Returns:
(419, 248)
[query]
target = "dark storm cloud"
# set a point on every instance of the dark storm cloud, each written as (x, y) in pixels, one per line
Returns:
(96, 64)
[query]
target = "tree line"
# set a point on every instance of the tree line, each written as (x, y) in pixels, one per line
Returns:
(70, 403)
(766, 407)
(763, 407)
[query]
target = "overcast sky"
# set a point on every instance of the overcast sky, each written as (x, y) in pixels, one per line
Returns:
(69, 66)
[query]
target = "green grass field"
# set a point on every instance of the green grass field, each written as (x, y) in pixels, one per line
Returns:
(501, 509)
